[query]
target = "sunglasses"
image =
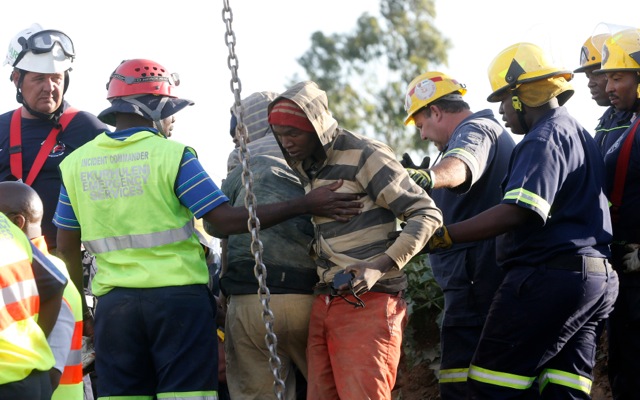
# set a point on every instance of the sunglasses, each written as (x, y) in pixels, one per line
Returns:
(43, 42)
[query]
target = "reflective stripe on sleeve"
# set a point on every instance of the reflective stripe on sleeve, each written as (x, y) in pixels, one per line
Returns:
(466, 155)
(530, 198)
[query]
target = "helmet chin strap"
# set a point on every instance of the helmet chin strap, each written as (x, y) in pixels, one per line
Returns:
(518, 107)
(155, 115)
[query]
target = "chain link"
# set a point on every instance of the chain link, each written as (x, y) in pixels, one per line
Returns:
(250, 202)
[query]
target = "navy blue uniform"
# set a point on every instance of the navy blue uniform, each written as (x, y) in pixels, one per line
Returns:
(624, 324)
(545, 318)
(82, 128)
(467, 272)
(610, 127)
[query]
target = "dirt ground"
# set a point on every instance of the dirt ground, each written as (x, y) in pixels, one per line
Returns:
(420, 382)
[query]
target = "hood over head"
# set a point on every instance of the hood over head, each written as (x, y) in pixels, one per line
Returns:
(255, 114)
(314, 103)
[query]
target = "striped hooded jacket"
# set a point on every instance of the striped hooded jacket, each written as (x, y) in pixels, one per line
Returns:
(367, 167)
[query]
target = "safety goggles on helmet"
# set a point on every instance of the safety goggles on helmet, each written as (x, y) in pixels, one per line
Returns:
(172, 79)
(43, 42)
(141, 76)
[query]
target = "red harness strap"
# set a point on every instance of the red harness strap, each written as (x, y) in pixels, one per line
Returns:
(621, 172)
(15, 144)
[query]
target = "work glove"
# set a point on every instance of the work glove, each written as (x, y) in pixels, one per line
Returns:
(439, 240)
(421, 174)
(422, 177)
(630, 260)
(407, 162)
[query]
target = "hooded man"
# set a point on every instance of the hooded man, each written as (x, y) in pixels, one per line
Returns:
(355, 332)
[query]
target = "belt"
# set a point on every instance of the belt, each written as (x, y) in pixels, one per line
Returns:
(578, 263)
(325, 288)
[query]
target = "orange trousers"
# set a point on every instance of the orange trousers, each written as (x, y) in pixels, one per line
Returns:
(353, 353)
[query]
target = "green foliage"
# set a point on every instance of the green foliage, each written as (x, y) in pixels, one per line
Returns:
(365, 72)
(425, 303)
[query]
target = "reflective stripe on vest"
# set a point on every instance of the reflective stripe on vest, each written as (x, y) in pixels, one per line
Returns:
(143, 241)
(71, 386)
(453, 375)
(150, 241)
(19, 300)
(203, 395)
(564, 378)
(500, 378)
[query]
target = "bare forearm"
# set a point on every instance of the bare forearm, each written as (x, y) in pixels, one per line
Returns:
(48, 313)
(323, 201)
(226, 220)
(450, 173)
(70, 251)
(490, 223)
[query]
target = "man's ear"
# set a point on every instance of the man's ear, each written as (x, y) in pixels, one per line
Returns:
(15, 75)
(436, 112)
(19, 220)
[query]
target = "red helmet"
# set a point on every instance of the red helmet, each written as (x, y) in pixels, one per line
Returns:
(139, 76)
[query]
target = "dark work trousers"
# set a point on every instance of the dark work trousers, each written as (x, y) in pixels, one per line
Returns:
(36, 386)
(458, 343)
(542, 325)
(623, 331)
(156, 341)
(469, 278)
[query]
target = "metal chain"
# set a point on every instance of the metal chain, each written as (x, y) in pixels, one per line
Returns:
(250, 202)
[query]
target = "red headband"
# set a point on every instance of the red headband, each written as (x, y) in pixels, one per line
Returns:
(286, 112)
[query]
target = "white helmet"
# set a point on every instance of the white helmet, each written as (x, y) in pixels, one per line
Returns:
(40, 50)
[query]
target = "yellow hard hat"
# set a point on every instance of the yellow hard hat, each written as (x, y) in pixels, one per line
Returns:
(591, 52)
(621, 52)
(426, 89)
(521, 63)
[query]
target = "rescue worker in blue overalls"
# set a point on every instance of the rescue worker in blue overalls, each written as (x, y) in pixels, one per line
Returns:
(621, 66)
(475, 150)
(554, 220)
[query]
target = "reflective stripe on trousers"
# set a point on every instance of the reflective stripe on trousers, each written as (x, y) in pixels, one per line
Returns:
(453, 375)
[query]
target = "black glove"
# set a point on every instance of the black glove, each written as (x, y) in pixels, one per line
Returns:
(421, 174)
(407, 162)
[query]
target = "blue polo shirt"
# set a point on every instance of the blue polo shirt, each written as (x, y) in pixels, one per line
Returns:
(556, 171)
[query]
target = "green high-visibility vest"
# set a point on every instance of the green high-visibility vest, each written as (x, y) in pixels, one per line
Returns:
(122, 192)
